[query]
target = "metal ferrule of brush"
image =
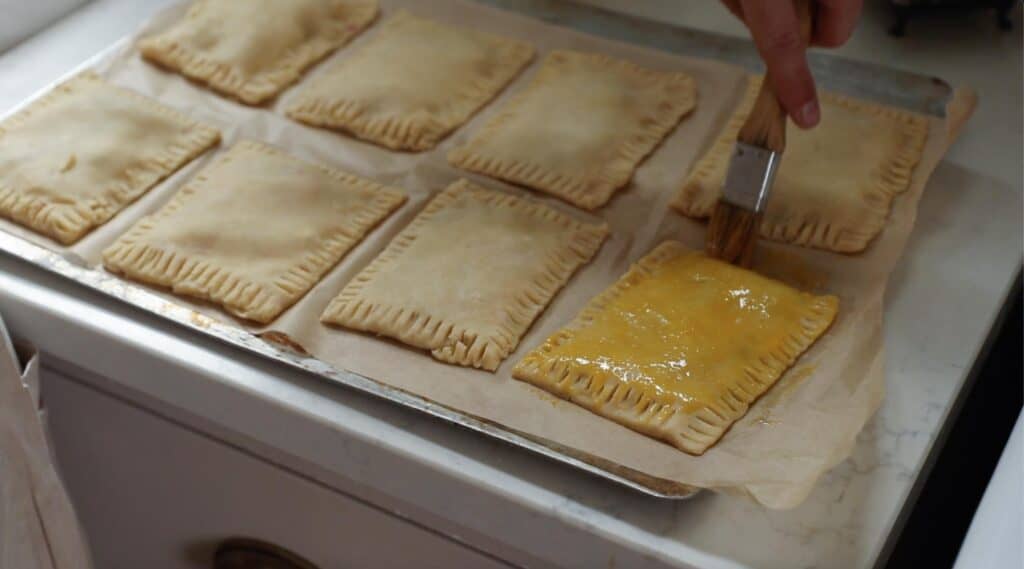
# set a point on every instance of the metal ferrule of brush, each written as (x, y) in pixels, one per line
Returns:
(750, 176)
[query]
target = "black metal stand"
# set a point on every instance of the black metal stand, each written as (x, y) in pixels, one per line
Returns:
(904, 11)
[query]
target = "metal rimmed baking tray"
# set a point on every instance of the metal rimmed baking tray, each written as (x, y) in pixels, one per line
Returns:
(917, 93)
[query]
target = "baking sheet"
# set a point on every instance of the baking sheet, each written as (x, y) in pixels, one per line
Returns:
(802, 427)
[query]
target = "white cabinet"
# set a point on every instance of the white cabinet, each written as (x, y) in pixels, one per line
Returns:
(155, 493)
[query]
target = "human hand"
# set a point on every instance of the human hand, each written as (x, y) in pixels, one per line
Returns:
(776, 32)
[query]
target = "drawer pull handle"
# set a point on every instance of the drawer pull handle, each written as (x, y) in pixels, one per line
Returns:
(244, 553)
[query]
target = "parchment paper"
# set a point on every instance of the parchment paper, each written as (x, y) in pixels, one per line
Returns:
(802, 427)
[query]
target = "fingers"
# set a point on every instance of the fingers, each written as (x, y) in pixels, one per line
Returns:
(834, 21)
(776, 33)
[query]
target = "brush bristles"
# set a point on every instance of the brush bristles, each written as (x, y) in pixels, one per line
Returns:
(732, 233)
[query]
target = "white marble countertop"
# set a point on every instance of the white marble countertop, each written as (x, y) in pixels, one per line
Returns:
(942, 301)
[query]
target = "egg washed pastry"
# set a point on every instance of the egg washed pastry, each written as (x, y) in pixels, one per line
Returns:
(468, 276)
(253, 50)
(581, 127)
(411, 84)
(253, 232)
(836, 182)
(680, 346)
(73, 159)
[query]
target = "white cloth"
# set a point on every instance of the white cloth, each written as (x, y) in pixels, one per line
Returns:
(38, 527)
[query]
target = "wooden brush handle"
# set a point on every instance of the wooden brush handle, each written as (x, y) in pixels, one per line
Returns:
(766, 124)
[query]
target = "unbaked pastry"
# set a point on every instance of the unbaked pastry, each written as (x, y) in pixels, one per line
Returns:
(468, 276)
(77, 156)
(836, 182)
(680, 346)
(254, 231)
(411, 84)
(580, 129)
(253, 50)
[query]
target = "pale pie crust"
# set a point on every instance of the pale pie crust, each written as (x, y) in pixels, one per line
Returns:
(253, 50)
(836, 183)
(680, 346)
(253, 231)
(412, 83)
(76, 157)
(581, 127)
(468, 276)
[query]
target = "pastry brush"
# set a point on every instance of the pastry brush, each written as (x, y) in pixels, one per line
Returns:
(736, 218)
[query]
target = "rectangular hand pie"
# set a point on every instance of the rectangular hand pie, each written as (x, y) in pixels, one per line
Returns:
(680, 347)
(836, 182)
(411, 84)
(580, 129)
(73, 159)
(468, 276)
(253, 231)
(253, 50)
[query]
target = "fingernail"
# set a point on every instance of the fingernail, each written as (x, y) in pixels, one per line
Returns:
(808, 115)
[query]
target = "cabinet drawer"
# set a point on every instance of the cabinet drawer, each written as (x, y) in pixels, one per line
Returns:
(152, 493)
